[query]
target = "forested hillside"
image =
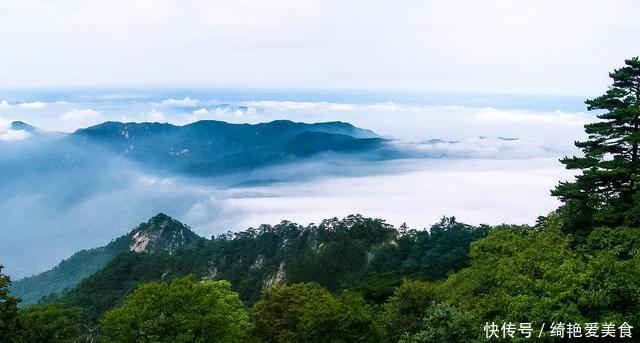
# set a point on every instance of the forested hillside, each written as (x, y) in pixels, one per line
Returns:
(358, 279)
(355, 252)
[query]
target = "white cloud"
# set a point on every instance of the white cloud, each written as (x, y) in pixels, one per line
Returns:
(155, 116)
(14, 135)
(201, 112)
(36, 105)
(475, 191)
(4, 125)
(493, 115)
(186, 102)
(151, 116)
(80, 118)
(230, 113)
(196, 115)
(483, 148)
(299, 106)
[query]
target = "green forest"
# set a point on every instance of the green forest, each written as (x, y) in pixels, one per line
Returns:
(359, 279)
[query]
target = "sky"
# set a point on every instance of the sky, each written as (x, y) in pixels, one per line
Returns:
(492, 46)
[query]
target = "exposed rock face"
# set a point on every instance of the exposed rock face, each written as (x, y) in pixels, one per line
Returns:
(212, 272)
(162, 233)
(258, 263)
(277, 278)
(140, 242)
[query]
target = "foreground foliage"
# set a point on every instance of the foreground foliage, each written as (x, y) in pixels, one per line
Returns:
(9, 325)
(309, 313)
(184, 310)
(52, 323)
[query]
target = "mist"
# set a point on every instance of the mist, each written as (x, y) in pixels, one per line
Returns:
(48, 216)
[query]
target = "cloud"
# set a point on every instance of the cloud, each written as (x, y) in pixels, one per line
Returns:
(14, 135)
(186, 102)
(201, 112)
(227, 112)
(151, 116)
(196, 115)
(493, 115)
(4, 104)
(514, 191)
(475, 191)
(4, 124)
(155, 116)
(300, 106)
(79, 118)
(36, 105)
(481, 148)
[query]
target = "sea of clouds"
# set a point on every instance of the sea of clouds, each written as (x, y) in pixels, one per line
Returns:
(482, 164)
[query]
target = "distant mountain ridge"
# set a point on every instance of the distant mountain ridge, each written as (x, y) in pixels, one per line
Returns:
(160, 233)
(211, 147)
(202, 148)
(20, 125)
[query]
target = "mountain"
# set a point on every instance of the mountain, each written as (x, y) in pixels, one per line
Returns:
(350, 253)
(202, 148)
(212, 147)
(20, 125)
(160, 233)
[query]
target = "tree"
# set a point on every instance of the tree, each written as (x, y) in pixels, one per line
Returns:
(50, 323)
(404, 311)
(519, 275)
(609, 289)
(445, 323)
(307, 312)
(606, 193)
(9, 323)
(442, 249)
(184, 310)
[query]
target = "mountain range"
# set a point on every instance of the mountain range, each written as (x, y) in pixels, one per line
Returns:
(201, 148)
(354, 252)
(211, 147)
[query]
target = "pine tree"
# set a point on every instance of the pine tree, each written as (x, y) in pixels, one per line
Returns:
(606, 192)
(9, 324)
